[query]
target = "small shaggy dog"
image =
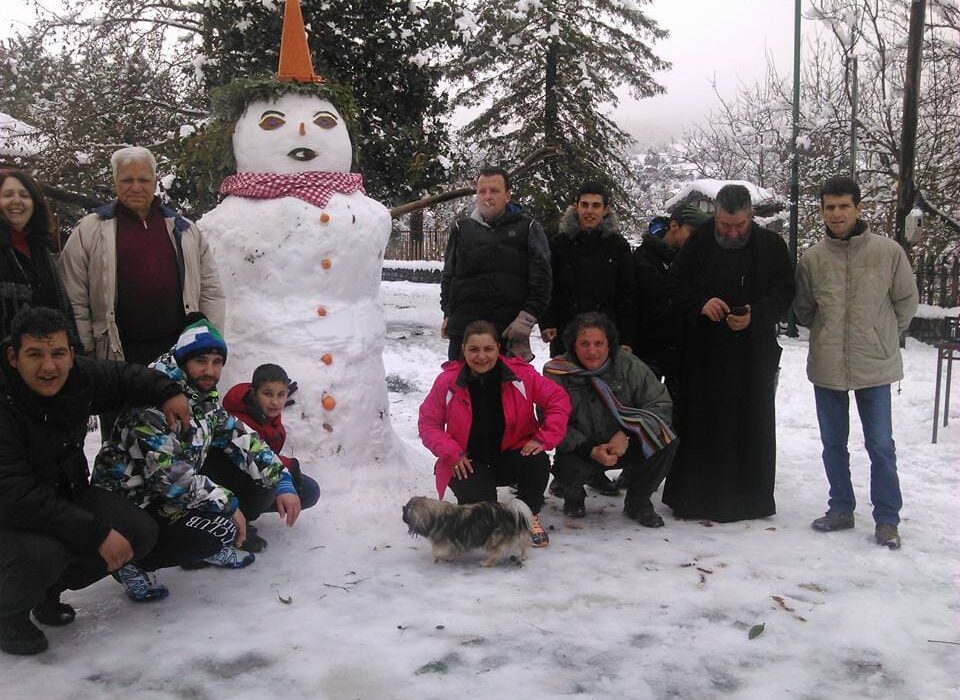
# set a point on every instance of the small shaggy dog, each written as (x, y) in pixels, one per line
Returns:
(500, 529)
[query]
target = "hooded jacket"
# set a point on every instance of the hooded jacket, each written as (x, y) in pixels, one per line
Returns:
(88, 267)
(42, 465)
(592, 271)
(446, 414)
(493, 271)
(856, 295)
(158, 468)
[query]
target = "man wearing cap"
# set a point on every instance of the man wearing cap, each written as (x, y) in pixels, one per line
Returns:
(202, 485)
(658, 327)
(590, 261)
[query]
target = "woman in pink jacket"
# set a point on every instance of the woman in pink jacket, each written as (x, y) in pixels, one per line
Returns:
(479, 420)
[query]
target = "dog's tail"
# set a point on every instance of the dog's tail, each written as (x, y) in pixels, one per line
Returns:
(521, 512)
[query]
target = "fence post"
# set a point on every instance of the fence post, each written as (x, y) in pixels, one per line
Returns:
(921, 259)
(954, 284)
(931, 278)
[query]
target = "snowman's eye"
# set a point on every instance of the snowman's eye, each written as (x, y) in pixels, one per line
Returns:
(269, 122)
(325, 120)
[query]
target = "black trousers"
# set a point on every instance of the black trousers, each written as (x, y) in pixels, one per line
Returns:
(530, 474)
(31, 563)
(185, 538)
(645, 474)
(254, 499)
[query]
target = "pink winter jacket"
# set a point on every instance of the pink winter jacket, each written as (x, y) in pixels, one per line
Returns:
(446, 414)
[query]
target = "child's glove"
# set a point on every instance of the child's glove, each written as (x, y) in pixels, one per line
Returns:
(291, 390)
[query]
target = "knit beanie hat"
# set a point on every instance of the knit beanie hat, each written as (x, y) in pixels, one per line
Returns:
(198, 338)
(690, 214)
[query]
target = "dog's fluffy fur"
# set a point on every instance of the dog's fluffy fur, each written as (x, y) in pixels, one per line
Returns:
(501, 529)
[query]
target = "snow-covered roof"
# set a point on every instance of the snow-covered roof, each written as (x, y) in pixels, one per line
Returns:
(18, 138)
(707, 188)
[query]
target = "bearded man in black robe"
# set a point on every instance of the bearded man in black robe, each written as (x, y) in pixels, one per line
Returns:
(732, 283)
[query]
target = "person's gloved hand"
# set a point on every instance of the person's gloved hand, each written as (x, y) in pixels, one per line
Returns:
(517, 335)
(291, 390)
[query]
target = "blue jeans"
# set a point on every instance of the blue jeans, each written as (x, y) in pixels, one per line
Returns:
(833, 414)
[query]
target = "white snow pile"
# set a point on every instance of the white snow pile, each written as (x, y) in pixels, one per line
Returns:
(609, 610)
(18, 138)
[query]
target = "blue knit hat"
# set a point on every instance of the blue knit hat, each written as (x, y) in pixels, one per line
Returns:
(198, 338)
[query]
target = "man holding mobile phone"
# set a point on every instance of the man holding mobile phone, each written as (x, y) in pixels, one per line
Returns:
(731, 283)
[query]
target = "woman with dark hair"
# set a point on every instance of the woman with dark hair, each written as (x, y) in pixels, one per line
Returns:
(28, 276)
(620, 417)
(479, 421)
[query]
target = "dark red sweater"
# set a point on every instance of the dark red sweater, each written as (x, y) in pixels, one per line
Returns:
(149, 299)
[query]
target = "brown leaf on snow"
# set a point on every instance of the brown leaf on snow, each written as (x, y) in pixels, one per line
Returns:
(813, 587)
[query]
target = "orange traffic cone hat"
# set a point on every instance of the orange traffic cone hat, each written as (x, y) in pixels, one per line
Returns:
(295, 61)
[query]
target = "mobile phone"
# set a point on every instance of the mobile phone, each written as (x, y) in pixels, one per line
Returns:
(738, 311)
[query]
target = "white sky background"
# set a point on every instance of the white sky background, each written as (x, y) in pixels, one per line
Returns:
(723, 40)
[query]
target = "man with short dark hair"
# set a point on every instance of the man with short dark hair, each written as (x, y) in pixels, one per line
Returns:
(592, 270)
(57, 532)
(857, 294)
(731, 283)
(496, 268)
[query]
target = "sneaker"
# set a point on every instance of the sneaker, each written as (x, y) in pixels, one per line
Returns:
(538, 534)
(887, 535)
(231, 558)
(20, 636)
(139, 585)
(833, 521)
(603, 485)
(254, 542)
(646, 515)
(574, 508)
(52, 612)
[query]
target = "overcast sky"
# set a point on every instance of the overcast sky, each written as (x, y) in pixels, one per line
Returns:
(727, 41)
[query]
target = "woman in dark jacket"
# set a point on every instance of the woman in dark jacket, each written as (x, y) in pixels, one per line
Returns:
(28, 276)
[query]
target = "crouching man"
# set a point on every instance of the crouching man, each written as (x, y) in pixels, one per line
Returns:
(57, 532)
(200, 486)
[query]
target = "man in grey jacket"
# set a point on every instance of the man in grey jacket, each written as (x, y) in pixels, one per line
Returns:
(857, 293)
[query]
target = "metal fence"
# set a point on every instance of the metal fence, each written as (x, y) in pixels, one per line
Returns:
(938, 281)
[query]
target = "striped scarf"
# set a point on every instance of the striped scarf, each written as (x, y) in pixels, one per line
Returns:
(651, 429)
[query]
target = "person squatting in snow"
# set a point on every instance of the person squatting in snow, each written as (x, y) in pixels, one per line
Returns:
(202, 486)
(259, 403)
(57, 532)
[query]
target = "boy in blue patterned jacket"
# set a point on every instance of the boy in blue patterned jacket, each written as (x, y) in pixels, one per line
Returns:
(196, 483)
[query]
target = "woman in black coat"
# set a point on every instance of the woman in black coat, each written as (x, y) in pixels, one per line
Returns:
(28, 276)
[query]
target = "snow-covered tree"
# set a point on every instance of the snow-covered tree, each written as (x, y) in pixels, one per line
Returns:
(544, 73)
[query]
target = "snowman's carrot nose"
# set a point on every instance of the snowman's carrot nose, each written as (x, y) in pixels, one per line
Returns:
(303, 130)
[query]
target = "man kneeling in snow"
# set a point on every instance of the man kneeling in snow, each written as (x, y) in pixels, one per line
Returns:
(203, 484)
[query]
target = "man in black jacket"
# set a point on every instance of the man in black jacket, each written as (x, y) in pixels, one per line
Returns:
(57, 532)
(592, 269)
(496, 268)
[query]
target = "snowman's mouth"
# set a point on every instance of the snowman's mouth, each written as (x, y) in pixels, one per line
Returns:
(302, 154)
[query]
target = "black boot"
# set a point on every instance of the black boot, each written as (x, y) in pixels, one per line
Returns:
(20, 636)
(52, 612)
(643, 513)
(254, 542)
(603, 485)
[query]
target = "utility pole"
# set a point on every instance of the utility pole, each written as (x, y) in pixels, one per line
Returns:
(906, 186)
(854, 111)
(795, 161)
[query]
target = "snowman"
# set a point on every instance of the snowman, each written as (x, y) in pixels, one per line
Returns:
(300, 248)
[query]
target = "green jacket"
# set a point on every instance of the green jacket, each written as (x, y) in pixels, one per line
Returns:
(856, 295)
(591, 423)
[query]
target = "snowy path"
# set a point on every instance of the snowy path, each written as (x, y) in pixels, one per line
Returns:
(610, 610)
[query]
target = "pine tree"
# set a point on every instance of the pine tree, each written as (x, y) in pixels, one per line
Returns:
(545, 73)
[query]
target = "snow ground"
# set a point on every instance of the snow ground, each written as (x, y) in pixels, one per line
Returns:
(609, 610)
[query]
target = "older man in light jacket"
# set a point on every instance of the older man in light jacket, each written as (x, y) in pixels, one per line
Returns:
(857, 293)
(134, 269)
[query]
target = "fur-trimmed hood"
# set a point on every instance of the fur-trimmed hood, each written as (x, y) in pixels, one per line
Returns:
(570, 224)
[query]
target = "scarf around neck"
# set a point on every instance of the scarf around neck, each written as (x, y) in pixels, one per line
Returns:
(314, 187)
(653, 432)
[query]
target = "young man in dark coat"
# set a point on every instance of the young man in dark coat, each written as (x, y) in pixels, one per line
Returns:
(731, 282)
(496, 268)
(592, 270)
(56, 531)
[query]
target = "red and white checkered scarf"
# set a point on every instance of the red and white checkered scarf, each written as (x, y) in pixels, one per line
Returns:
(314, 187)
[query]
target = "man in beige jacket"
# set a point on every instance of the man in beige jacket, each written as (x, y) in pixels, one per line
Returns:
(134, 269)
(857, 294)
